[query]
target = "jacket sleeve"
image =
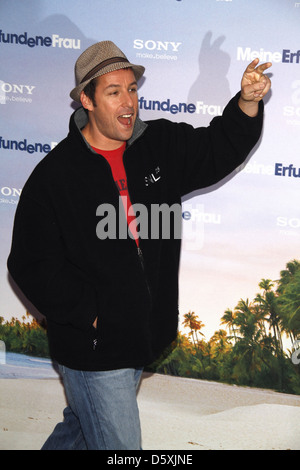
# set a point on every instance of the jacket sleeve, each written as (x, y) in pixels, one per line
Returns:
(38, 264)
(206, 155)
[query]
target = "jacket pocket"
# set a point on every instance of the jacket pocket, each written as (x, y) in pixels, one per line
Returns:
(94, 335)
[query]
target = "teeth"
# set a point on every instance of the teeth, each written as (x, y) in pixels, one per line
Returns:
(126, 115)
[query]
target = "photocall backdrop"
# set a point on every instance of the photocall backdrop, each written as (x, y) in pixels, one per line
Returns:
(195, 51)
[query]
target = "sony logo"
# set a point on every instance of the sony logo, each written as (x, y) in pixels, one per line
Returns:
(290, 222)
(14, 88)
(7, 191)
(152, 45)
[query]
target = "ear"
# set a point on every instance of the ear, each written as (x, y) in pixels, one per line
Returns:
(86, 101)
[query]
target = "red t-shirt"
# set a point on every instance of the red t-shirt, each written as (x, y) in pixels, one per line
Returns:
(115, 160)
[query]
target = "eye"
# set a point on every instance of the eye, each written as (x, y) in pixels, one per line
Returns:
(133, 90)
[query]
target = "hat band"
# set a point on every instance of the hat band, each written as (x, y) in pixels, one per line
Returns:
(103, 64)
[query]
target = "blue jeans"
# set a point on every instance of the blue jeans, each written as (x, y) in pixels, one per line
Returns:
(102, 411)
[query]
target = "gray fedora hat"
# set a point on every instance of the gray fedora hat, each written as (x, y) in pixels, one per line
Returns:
(98, 59)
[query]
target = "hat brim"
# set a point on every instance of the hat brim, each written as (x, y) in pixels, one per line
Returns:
(138, 71)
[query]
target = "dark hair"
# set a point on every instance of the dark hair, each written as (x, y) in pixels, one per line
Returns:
(90, 90)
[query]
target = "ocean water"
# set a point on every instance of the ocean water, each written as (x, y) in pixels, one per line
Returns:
(23, 366)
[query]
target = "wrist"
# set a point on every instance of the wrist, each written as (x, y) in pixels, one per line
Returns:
(248, 107)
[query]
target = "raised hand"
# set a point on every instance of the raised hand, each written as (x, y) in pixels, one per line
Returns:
(254, 86)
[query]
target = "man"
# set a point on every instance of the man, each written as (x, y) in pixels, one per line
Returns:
(111, 298)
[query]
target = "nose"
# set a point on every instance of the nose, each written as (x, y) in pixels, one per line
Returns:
(128, 100)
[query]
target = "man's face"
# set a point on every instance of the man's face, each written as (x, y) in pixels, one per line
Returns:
(112, 120)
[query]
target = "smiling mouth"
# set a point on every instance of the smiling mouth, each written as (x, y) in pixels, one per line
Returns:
(126, 119)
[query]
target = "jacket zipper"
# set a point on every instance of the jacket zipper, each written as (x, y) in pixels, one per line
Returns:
(139, 251)
(95, 339)
(141, 258)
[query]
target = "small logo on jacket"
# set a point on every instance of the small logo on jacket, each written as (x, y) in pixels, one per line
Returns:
(153, 177)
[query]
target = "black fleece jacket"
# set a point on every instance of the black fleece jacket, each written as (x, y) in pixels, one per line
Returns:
(72, 276)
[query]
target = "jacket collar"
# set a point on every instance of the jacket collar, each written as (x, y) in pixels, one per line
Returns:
(80, 118)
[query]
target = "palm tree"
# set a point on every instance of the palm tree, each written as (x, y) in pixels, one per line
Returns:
(290, 306)
(266, 285)
(244, 319)
(287, 274)
(229, 319)
(250, 351)
(268, 310)
(191, 321)
(260, 313)
(220, 344)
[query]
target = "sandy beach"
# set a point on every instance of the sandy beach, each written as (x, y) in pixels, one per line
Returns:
(176, 414)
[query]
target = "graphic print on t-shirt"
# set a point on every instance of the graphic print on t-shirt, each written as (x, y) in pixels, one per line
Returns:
(115, 160)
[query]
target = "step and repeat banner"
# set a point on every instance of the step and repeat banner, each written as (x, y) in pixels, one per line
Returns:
(195, 51)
